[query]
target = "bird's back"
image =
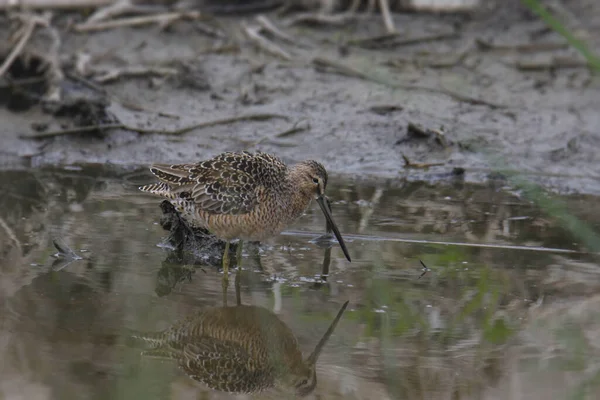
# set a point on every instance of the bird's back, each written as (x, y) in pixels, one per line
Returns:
(233, 195)
(229, 183)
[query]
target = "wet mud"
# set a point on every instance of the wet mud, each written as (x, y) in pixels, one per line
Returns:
(471, 94)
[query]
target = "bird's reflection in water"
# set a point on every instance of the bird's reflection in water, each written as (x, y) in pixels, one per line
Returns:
(239, 349)
(324, 241)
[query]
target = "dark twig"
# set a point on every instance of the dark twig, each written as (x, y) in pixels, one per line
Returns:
(77, 129)
(297, 127)
(447, 60)
(395, 39)
(384, 109)
(425, 270)
(222, 121)
(64, 257)
(178, 131)
(417, 130)
(293, 130)
(527, 48)
(410, 164)
(65, 251)
(222, 49)
(370, 40)
(136, 107)
(326, 64)
(553, 63)
(311, 18)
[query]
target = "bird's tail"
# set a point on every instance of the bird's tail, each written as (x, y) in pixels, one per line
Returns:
(174, 175)
(143, 339)
(160, 188)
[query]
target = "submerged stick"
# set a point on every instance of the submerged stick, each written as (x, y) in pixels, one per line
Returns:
(425, 269)
(64, 257)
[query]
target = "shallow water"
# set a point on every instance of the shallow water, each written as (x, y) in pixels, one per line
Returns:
(508, 308)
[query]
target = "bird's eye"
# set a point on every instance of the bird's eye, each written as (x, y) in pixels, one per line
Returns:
(316, 180)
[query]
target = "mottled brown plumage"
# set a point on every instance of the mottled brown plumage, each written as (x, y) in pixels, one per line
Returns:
(242, 195)
(242, 349)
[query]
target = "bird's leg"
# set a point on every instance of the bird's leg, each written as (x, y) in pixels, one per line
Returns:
(225, 281)
(326, 264)
(238, 253)
(256, 256)
(238, 275)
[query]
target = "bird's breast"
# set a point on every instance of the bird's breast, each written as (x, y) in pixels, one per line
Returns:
(269, 218)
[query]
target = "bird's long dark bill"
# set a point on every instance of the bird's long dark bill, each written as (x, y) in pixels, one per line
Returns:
(336, 231)
(312, 359)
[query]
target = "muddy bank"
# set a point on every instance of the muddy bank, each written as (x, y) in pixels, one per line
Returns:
(490, 90)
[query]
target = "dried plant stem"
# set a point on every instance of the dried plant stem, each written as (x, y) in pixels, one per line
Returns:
(163, 19)
(254, 35)
(28, 29)
(270, 27)
(384, 7)
(53, 4)
(178, 131)
(326, 64)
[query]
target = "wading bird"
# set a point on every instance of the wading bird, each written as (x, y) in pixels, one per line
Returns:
(243, 196)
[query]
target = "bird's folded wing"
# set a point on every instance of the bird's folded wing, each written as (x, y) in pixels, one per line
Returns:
(230, 183)
(224, 365)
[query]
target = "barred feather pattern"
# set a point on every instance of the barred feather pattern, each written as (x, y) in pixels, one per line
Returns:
(238, 195)
(229, 183)
(242, 349)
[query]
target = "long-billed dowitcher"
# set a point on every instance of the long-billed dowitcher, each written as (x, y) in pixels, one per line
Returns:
(243, 196)
(241, 349)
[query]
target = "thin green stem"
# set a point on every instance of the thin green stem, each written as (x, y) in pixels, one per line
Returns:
(554, 23)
